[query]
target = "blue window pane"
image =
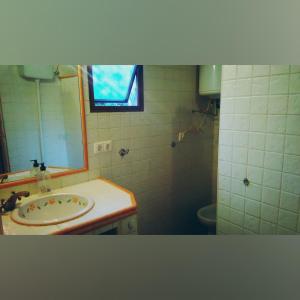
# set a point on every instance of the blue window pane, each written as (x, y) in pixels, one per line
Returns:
(132, 101)
(133, 97)
(113, 83)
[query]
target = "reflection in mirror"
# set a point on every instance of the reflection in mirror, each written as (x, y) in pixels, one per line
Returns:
(40, 119)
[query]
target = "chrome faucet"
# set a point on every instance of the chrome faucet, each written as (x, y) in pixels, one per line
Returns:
(10, 203)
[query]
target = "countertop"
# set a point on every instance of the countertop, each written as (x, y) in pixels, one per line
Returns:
(112, 202)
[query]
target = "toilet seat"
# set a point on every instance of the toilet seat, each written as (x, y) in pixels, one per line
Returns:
(207, 215)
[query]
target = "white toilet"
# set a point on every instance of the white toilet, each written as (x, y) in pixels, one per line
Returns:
(207, 217)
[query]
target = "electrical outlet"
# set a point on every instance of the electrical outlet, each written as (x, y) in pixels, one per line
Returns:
(104, 146)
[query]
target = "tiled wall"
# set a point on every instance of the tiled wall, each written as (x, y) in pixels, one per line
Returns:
(214, 175)
(170, 183)
(260, 140)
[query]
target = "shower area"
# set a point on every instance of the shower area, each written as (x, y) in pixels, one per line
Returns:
(259, 150)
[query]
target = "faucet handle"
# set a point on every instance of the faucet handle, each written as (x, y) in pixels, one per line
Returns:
(13, 193)
(10, 203)
(19, 195)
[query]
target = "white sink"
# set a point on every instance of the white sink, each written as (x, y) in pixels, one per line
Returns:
(52, 209)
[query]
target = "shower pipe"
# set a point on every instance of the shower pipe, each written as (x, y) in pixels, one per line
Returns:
(41, 135)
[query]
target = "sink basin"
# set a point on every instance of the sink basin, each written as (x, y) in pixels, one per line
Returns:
(52, 209)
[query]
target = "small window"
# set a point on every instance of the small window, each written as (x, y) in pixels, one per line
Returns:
(116, 88)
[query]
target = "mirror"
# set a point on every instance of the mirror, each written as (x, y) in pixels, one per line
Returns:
(41, 118)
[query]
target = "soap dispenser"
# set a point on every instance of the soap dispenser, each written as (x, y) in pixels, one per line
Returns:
(35, 168)
(43, 179)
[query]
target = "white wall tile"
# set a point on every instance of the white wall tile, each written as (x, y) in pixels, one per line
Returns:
(242, 105)
(275, 143)
(278, 104)
(224, 183)
(279, 84)
(225, 168)
(284, 231)
(295, 83)
(293, 124)
(273, 161)
(243, 87)
(252, 207)
(257, 140)
(225, 137)
(254, 191)
(255, 157)
(276, 123)
(255, 174)
(237, 187)
(272, 179)
(259, 105)
(244, 71)
(237, 202)
(223, 211)
(298, 226)
(290, 201)
(292, 144)
(239, 155)
(237, 217)
(260, 86)
(228, 88)
(225, 153)
(258, 123)
(224, 197)
(295, 68)
(252, 223)
(241, 122)
(226, 121)
(290, 183)
(294, 104)
(261, 70)
(229, 72)
(291, 164)
(271, 196)
(240, 138)
(287, 219)
(238, 171)
(235, 229)
(269, 213)
(267, 228)
(228, 106)
(223, 226)
(280, 69)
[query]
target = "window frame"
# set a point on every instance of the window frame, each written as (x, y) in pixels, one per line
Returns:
(140, 94)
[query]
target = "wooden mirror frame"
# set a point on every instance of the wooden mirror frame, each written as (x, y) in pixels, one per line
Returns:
(84, 140)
